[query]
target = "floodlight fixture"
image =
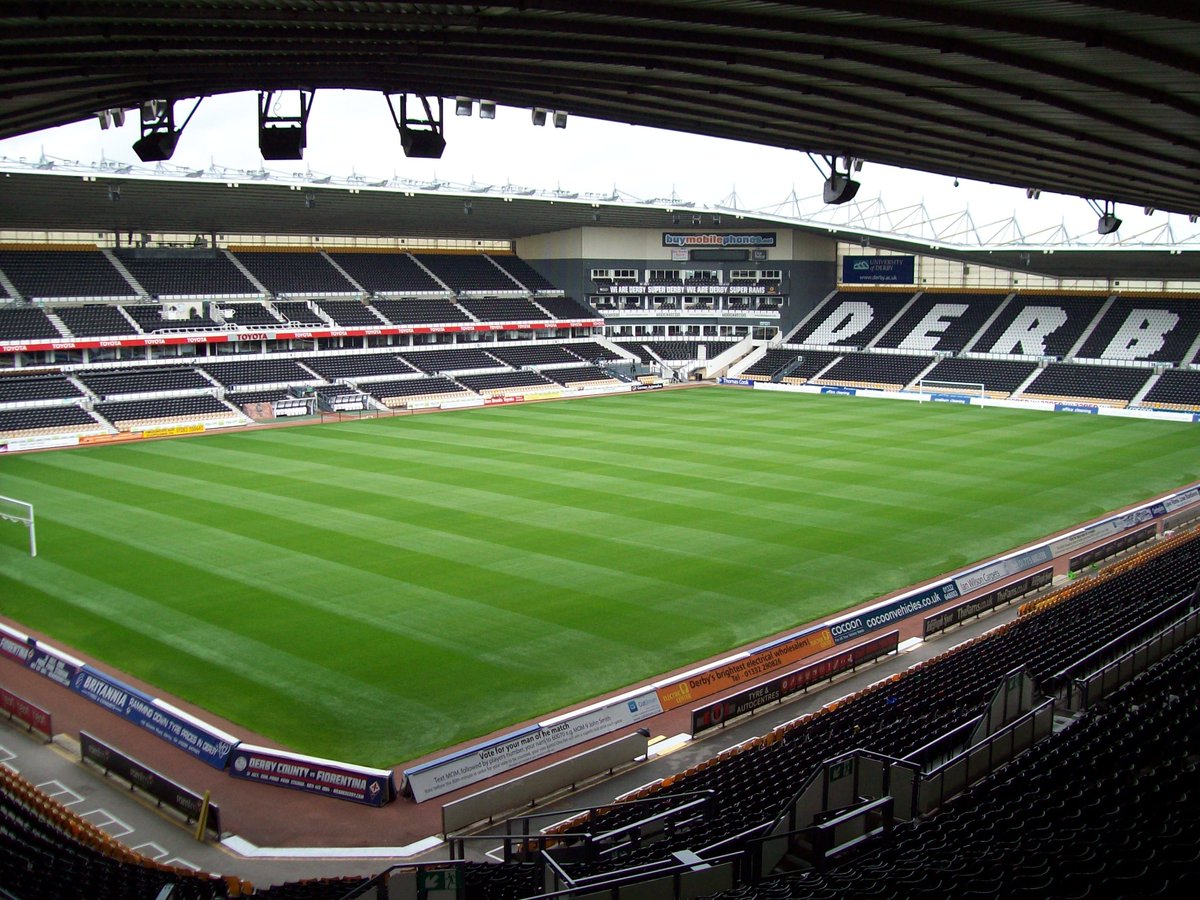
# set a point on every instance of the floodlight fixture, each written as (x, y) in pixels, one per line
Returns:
(560, 119)
(487, 109)
(839, 186)
(1033, 193)
(282, 136)
(539, 116)
(464, 106)
(159, 134)
(1108, 223)
(109, 118)
(421, 137)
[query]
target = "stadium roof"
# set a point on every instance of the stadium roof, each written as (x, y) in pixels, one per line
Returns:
(64, 197)
(1098, 98)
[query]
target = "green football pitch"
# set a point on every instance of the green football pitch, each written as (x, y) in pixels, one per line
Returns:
(372, 591)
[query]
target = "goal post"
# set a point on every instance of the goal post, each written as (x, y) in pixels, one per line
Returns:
(951, 391)
(19, 511)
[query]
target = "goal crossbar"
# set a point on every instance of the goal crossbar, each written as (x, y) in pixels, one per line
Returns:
(13, 510)
(951, 390)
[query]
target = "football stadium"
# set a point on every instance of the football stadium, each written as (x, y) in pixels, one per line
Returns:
(392, 540)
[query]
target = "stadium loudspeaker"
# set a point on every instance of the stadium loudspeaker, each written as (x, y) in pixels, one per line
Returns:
(281, 143)
(422, 144)
(1107, 224)
(156, 146)
(840, 189)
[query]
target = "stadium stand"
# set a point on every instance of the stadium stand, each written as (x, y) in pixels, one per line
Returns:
(241, 372)
(752, 782)
(564, 308)
(850, 319)
(242, 398)
(298, 312)
(95, 320)
(494, 383)
(23, 323)
(468, 273)
(293, 272)
(49, 851)
(578, 375)
(889, 371)
(401, 392)
(1154, 329)
(1108, 385)
(530, 354)
(59, 274)
(124, 382)
(126, 414)
(456, 359)
(249, 315)
(999, 377)
(523, 273)
(1039, 325)
(151, 319)
(811, 362)
(413, 311)
(502, 309)
(943, 322)
(349, 313)
(47, 420)
(593, 352)
(18, 388)
(1101, 808)
(185, 273)
(331, 367)
(386, 272)
(1175, 389)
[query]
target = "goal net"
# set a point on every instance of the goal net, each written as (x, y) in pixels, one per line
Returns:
(22, 513)
(951, 391)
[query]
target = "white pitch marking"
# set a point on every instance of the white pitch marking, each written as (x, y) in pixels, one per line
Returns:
(60, 791)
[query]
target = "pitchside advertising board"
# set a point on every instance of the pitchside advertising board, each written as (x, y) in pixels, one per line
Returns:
(715, 714)
(878, 269)
(374, 787)
(174, 726)
(449, 773)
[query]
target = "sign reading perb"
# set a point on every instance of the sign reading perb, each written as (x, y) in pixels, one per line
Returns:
(878, 269)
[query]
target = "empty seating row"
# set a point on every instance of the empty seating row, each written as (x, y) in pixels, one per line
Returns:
(450, 359)
(53, 274)
(124, 412)
(46, 419)
(95, 320)
(502, 309)
(237, 372)
(185, 273)
(370, 365)
(889, 370)
(386, 273)
(29, 388)
(293, 272)
(1113, 385)
(116, 382)
(21, 323)
(468, 272)
(420, 312)
(497, 382)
